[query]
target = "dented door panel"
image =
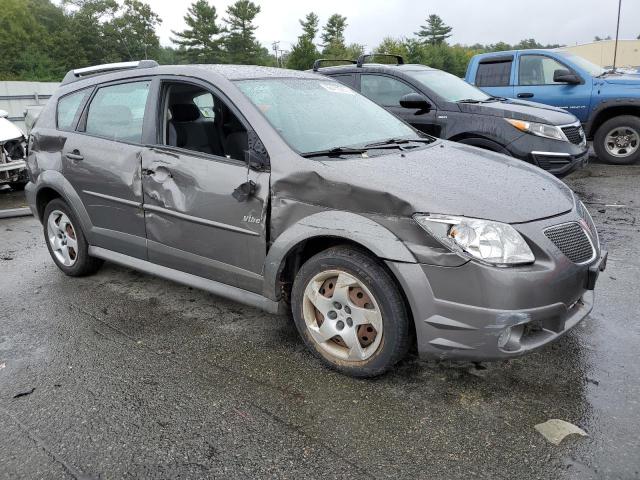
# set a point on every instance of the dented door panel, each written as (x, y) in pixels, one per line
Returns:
(194, 223)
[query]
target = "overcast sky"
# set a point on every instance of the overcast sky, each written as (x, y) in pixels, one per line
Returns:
(473, 21)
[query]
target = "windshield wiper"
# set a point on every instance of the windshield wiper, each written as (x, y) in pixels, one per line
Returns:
(468, 100)
(334, 152)
(397, 141)
(496, 99)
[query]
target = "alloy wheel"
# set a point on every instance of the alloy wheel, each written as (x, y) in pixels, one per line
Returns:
(62, 238)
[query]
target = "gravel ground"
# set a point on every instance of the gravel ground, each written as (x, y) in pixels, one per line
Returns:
(125, 375)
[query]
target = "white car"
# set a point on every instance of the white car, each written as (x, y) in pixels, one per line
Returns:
(12, 154)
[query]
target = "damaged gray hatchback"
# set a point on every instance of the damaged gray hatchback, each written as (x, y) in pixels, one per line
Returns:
(291, 192)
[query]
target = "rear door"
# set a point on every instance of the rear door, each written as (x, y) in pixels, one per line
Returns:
(195, 178)
(387, 92)
(535, 83)
(495, 75)
(102, 161)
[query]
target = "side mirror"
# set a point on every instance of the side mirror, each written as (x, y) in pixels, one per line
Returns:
(565, 76)
(415, 100)
(4, 113)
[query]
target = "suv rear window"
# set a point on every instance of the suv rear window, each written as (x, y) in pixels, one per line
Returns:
(68, 107)
(117, 111)
(494, 74)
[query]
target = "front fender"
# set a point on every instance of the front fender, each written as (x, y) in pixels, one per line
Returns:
(334, 224)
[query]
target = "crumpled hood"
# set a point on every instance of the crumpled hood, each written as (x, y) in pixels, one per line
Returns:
(521, 110)
(447, 178)
(8, 131)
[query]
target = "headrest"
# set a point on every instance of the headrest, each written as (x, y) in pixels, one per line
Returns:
(184, 112)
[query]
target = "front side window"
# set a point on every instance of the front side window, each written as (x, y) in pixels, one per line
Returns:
(68, 107)
(117, 112)
(313, 115)
(494, 74)
(383, 90)
(447, 86)
(538, 70)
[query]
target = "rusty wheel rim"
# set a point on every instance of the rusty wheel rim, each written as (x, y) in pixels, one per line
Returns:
(342, 316)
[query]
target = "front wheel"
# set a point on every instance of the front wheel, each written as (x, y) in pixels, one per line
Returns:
(617, 140)
(350, 313)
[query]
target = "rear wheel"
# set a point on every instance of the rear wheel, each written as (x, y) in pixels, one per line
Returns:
(66, 241)
(617, 140)
(350, 313)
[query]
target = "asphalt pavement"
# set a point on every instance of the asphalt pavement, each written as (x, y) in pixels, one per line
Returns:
(123, 375)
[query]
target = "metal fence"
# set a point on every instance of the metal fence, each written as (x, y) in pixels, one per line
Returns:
(15, 97)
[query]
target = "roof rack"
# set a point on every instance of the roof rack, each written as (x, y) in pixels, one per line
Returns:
(362, 58)
(316, 64)
(78, 73)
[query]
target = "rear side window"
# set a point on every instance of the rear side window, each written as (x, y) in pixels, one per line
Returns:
(117, 112)
(68, 107)
(494, 74)
(344, 79)
(383, 90)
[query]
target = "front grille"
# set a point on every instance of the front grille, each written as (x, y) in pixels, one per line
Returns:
(574, 134)
(572, 240)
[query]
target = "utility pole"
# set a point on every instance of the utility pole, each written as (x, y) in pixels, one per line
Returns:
(275, 45)
(615, 48)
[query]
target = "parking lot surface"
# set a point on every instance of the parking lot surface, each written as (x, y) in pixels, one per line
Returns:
(123, 375)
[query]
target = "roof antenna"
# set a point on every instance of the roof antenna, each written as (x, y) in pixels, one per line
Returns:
(615, 49)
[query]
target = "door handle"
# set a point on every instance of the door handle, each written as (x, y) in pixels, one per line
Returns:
(525, 95)
(75, 155)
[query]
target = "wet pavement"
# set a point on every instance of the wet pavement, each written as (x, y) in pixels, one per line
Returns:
(133, 376)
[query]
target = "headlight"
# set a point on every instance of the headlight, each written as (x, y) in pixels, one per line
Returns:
(491, 242)
(539, 129)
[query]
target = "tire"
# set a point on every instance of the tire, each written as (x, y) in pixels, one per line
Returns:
(62, 229)
(357, 289)
(628, 125)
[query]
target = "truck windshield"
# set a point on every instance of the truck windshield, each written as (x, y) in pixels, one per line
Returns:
(593, 69)
(447, 86)
(316, 115)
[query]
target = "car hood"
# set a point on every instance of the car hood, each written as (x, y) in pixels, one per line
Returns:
(632, 80)
(446, 178)
(520, 110)
(8, 131)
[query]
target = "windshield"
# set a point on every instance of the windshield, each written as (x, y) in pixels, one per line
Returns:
(314, 115)
(447, 86)
(593, 69)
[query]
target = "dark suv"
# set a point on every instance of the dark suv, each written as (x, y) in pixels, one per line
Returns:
(289, 191)
(443, 105)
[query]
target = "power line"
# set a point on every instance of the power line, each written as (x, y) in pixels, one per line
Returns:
(615, 48)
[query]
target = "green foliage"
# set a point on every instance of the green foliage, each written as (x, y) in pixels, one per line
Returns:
(202, 40)
(333, 37)
(305, 52)
(240, 43)
(435, 32)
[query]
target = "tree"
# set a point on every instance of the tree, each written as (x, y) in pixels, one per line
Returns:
(333, 36)
(435, 31)
(134, 31)
(202, 41)
(240, 43)
(305, 52)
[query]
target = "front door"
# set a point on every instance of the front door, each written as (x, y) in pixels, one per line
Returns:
(205, 211)
(387, 92)
(102, 161)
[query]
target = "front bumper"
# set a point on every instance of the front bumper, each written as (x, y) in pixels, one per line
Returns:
(556, 157)
(481, 313)
(14, 171)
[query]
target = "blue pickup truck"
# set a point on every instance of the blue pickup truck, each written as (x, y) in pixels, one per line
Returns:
(607, 103)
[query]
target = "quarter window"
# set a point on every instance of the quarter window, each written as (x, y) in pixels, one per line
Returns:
(538, 70)
(383, 90)
(68, 109)
(494, 74)
(344, 79)
(117, 112)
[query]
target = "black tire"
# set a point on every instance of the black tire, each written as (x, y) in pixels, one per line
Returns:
(369, 271)
(599, 140)
(84, 264)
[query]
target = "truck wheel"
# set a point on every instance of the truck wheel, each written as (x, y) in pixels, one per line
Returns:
(350, 312)
(618, 140)
(66, 241)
